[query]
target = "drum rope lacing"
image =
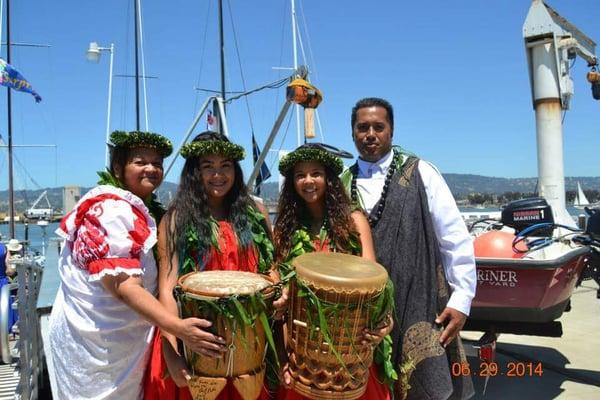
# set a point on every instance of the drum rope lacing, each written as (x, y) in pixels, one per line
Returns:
(231, 349)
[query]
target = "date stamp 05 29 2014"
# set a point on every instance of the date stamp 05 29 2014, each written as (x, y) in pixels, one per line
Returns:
(513, 369)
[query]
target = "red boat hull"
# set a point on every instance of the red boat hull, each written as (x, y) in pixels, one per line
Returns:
(522, 290)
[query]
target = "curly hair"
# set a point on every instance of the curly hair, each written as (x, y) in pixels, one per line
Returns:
(292, 212)
(189, 210)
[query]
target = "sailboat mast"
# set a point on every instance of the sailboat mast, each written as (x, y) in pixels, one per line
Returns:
(137, 69)
(11, 192)
(295, 51)
(222, 45)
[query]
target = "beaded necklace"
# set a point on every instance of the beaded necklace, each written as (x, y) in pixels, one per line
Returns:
(373, 219)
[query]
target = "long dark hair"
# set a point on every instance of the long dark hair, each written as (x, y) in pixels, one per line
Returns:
(189, 211)
(292, 214)
(118, 159)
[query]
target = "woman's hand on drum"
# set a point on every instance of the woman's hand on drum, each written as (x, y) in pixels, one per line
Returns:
(281, 304)
(199, 340)
(375, 336)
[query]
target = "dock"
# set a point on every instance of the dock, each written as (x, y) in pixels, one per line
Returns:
(9, 377)
(23, 220)
(569, 365)
(22, 373)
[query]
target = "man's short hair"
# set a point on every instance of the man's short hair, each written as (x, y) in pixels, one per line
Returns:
(373, 102)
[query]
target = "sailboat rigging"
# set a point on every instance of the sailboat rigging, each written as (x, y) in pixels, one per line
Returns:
(219, 102)
(11, 194)
(137, 68)
(12, 79)
(23, 292)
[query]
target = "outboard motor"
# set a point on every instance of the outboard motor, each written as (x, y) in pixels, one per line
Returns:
(521, 214)
(593, 223)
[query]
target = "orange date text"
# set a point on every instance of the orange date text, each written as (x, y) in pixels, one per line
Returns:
(512, 369)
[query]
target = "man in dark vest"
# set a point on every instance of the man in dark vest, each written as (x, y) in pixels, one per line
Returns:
(423, 243)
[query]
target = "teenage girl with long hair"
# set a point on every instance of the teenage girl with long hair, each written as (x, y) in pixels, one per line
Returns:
(212, 224)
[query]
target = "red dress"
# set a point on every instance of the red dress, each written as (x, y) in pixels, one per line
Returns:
(375, 390)
(228, 257)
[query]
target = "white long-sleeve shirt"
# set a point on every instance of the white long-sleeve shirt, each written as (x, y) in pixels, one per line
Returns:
(456, 245)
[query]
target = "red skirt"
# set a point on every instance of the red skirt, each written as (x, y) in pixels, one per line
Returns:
(375, 390)
(158, 388)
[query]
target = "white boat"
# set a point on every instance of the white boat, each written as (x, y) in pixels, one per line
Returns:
(39, 213)
(581, 200)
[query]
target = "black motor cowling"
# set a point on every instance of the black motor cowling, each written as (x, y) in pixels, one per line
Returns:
(593, 223)
(521, 214)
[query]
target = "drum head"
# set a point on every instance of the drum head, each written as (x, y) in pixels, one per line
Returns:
(343, 271)
(223, 283)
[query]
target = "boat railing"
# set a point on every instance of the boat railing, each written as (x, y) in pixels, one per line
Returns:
(29, 281)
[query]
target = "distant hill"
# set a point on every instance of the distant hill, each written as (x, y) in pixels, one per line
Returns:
(463, 184)
(25, 198)
(460, 184)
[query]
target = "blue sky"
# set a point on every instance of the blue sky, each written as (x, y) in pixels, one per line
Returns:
(455, 72)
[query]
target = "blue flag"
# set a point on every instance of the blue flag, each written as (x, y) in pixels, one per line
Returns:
(264, 172)
(11, 78)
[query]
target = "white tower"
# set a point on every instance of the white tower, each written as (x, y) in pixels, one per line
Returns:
(551, 42)
(71, 195)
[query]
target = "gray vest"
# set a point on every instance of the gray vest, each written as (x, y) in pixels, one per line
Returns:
(405, 243)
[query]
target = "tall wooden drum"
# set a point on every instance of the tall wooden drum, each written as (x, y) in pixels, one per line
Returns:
(237, 303)
(333, 298)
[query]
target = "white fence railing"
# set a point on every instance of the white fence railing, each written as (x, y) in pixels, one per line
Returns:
(30, 363)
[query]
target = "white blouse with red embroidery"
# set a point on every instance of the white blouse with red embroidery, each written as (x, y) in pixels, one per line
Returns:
(99, 345)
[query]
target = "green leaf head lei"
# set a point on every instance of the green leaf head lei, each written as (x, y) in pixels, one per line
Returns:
(319, 152)
(213, 143)
(133, 139)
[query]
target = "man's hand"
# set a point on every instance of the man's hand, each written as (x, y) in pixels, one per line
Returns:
(453, 321)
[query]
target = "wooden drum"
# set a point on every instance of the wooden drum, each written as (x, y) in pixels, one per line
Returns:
(333, 298)
(237, 303)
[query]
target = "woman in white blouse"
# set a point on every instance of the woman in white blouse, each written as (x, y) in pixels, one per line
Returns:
(105, 311)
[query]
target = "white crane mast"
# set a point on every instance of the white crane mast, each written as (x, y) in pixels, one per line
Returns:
(40, 213)
(550, 43)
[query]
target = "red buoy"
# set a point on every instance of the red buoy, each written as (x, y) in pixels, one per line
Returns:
(497, 244)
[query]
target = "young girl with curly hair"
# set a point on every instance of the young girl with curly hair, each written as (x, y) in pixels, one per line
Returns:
(313, 202)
